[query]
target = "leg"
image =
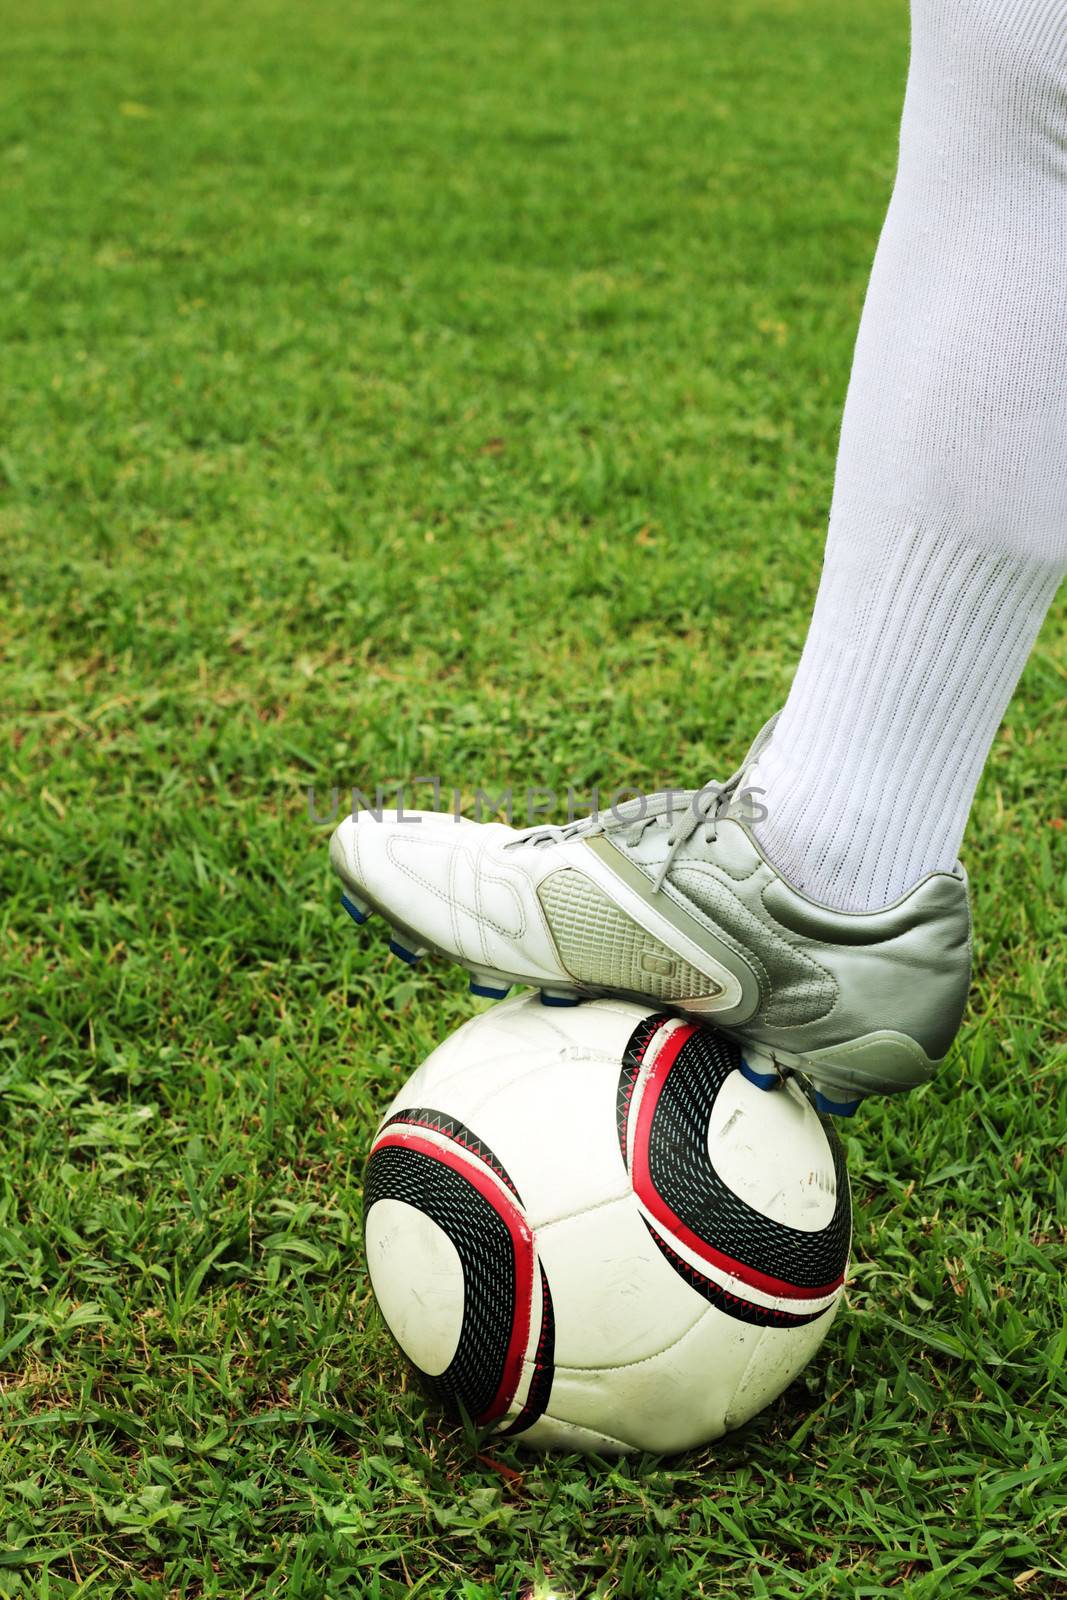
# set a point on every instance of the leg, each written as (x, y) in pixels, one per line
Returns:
(948, 531)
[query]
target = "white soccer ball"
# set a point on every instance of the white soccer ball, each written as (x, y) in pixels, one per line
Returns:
(589, 1229)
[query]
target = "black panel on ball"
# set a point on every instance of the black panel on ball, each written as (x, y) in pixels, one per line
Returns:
(483, 1243)
(682, 1173)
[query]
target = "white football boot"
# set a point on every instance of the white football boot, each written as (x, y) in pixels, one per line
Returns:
(670, 900)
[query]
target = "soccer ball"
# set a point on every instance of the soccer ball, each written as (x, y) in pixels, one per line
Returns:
(589, 1230)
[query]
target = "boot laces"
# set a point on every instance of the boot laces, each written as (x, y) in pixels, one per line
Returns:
(682, 811)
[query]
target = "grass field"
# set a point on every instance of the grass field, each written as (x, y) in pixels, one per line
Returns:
(447, 388)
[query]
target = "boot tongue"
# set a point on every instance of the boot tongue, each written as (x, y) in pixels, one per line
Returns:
(746, 806)
(746, 786)
(757, 748)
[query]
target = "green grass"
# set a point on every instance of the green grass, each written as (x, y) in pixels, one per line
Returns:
(445, 388)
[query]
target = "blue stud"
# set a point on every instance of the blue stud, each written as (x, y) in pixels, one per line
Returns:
(762, 1080)
(548, 999)
(834, 1108)
(487, 991)
(356, 912)
(410, 956)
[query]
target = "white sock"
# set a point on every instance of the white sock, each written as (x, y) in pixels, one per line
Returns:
(948, 529)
